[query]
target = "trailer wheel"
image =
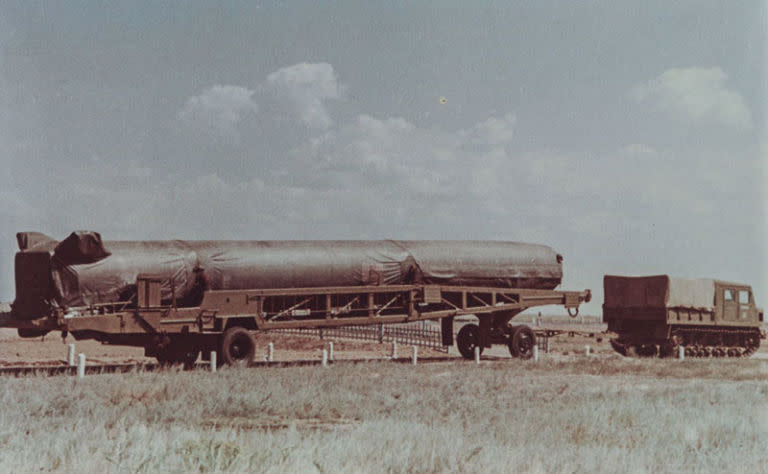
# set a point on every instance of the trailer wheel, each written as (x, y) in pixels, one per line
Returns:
(522, 343)
(467, 339)
(188, 357)
(237, 347)
(178, 354)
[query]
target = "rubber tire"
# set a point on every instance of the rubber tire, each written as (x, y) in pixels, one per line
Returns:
(238, 347)
(188, 357)
(522, 343)
(177, 354)
(163, 358)
(467, 339)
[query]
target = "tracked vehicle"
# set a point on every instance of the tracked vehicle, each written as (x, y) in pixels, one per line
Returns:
(655, 315)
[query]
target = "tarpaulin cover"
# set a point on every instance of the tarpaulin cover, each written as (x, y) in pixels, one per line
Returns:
(486, 263)
(698, 293)
(660, 291)
(294, 264)
(81, 247)
(290, 264)
(114, 278)
(30, 240)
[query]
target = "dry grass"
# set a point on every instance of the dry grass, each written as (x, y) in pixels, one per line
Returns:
(601, 415)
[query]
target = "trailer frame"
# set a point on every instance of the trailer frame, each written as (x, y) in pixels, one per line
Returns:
(178, 334)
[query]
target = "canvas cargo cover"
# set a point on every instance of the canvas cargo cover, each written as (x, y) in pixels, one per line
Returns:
(486, 263)
(113, 278)
(294, 264)
(87, 271)
(659, 291)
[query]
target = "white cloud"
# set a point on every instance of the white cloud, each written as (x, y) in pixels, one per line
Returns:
(493, 131)
(218, 110)
(697, 94)
(300, 90)
(307, 86)
(430, 163)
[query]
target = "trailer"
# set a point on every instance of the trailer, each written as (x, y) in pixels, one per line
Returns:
(226, 320)
(179, 298)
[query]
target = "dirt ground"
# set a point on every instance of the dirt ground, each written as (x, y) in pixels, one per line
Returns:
(51, 350)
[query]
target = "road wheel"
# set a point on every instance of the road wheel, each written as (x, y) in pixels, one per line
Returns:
(667, 349)
(467, 339)
(522, 343)
(237, 347)
(647, 350)
(751, 344)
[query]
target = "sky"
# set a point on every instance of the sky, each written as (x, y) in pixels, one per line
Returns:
(629, 136)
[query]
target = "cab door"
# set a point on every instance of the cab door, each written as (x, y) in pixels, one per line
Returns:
(730, 304)
(746, 304)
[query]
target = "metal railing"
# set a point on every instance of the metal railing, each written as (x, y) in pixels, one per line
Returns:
(542, 340)
(419, 333)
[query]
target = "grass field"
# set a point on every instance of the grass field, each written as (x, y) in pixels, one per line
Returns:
(589, 415)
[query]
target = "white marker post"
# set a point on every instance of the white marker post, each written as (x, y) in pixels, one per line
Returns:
(394, 349)
(80, 366)
(536, 353)
(681, 352)
(270, 352)
(477, 354)
(71, 355)
(324, 362)
(330, 351)
(213, 361)
(586, 350)
(415, 355)
(546, 345)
